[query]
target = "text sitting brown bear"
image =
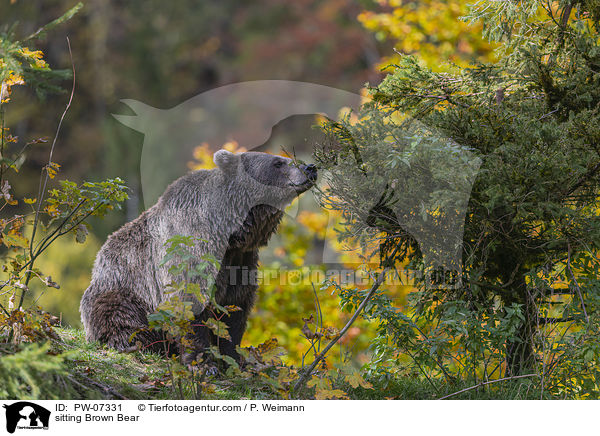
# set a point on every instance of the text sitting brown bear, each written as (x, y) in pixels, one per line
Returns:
(232, 209)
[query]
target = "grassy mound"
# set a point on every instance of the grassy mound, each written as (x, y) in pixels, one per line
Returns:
(72, 368)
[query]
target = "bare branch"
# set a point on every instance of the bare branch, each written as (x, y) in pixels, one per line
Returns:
(587, 318)
(358, 311)
(44, 180)
(488, 383)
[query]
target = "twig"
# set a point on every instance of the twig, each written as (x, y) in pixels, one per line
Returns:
(488, 383)
(582, 180)
(550, 320)
(435, 388)
(448, 376)
(547, 115)
(312, 347)
(318, 324)
(108, 390)
(358, 311)
(48, 242)
(47, 238)
(1, 135)
(4, 310)
(41, 189)
(587, 318)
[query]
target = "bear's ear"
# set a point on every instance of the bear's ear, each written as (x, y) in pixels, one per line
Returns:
(226, 161)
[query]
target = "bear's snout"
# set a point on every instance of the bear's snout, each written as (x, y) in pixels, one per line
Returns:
(310, 171)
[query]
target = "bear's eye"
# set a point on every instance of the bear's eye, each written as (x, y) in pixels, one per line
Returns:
(279, 164)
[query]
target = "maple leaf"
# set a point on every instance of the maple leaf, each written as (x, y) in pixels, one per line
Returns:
(355, 380)
(219, 328)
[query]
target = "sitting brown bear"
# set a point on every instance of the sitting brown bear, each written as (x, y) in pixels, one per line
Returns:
(232, 209)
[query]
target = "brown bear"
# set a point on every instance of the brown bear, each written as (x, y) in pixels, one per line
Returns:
(232, 210)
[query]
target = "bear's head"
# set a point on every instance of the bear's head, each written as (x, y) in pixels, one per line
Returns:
(266, 178)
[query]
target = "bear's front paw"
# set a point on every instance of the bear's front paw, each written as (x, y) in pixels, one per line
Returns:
(210, 370)
(197, 363)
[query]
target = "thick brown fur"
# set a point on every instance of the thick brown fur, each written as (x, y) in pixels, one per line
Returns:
(233, 209)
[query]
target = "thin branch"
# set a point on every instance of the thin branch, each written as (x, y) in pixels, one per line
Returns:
(67, 218)
(488, 383)
(435, 388)
(448, 376)
(42, 187)
(44, 181)
(549, 320)
(358, 311)
(39, 251)
(587, 318)
(20, 153)
(582, 180)
(319, 324)
(1, 135)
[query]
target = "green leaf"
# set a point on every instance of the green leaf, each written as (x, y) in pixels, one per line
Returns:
(81, 233)
(65, 17)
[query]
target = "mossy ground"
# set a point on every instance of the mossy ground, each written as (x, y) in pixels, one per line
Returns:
(94, 371)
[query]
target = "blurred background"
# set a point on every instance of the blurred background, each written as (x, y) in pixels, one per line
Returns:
(163, 53)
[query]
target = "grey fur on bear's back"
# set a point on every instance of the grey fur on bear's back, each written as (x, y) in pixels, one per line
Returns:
(233, 209)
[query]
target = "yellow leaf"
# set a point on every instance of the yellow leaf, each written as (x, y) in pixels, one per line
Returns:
(32, 54)
(52, 169)
(14, 79)
(219, 328)
(52, 210)
(355, 380)
(327, 394)
(30, 200)
(232, 308)
(286, 375)
(15, 240)
(268, 345)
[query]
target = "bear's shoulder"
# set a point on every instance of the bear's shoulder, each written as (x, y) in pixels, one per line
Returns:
(187, 188)
(132, 234)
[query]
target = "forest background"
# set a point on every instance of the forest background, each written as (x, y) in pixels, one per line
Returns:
(128, 50)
